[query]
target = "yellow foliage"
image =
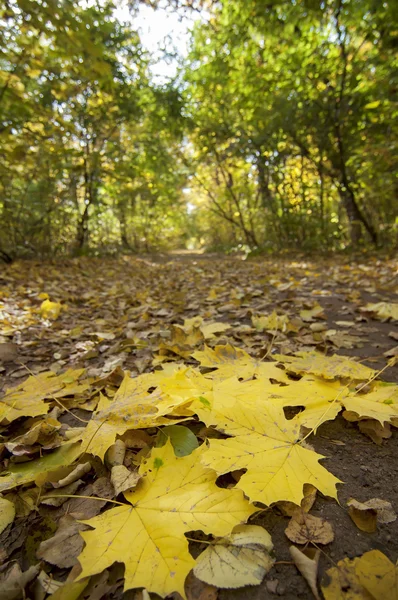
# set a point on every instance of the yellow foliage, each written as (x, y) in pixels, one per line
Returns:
(50, 310)
(371, 577)
(267, 445)
(328, 367)
(175, 495)
(133, 407)
(383, 310)
(27, 399)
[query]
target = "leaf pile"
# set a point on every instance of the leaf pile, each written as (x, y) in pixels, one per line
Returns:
(149, 465)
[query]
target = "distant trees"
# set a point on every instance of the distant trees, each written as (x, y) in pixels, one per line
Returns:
(293, 104)
(279, 133)
(85, 138)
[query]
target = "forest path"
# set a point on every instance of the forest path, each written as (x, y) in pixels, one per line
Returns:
(119, 313)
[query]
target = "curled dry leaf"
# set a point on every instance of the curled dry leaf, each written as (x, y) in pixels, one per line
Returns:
(304, 528)
(239, 559)
(40, 468)
(307, 563)
(376, 431)
(115, 454)
(366, 515)
(78, 471)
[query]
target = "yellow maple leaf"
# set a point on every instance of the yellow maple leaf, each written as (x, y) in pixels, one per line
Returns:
(27, 399)
(174, 496)
(132, 407)
(181, 342)
(372, 576)
(184, 383)
(328, 367)
(273, 322)
(321, 399)
(266, 444)
(230, 361)
(381, 404)
(383, 310)
(50, 310)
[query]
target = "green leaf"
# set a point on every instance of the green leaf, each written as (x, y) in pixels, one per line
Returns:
(183, 440)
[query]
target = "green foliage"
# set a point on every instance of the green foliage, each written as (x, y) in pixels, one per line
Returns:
(280, 132)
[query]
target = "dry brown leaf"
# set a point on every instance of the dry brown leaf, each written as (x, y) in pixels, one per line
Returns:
(375, 430)
(13, 581)
(198, 590)
(77, 472)
(122, 479)
(137, 438)
(115, 454)
(59, 496)
(65, 546)
(367, 514)
(307, 563)
(85, 508)
(288, 508)
(304, 528)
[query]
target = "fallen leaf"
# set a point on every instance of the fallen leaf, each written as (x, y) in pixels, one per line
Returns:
(307, 563)
(122, 479)
(148, 533)
(265, 444)
(78, 472)
(382, 310)
(27, 399)
(183, 440)
(328, 367)
(50, 310)
(64, 547)
(304, 528)
(13, 581)
(239, 559)
(316, 312)
(376, 431)
(370, 577)
(288, 508)
(7, 513)
(20, 474)
(133, 407)
(58, 497)
(367, 514)
(115, 454)
(198, 590)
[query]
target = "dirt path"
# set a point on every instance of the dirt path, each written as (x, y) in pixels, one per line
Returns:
(119, 313)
